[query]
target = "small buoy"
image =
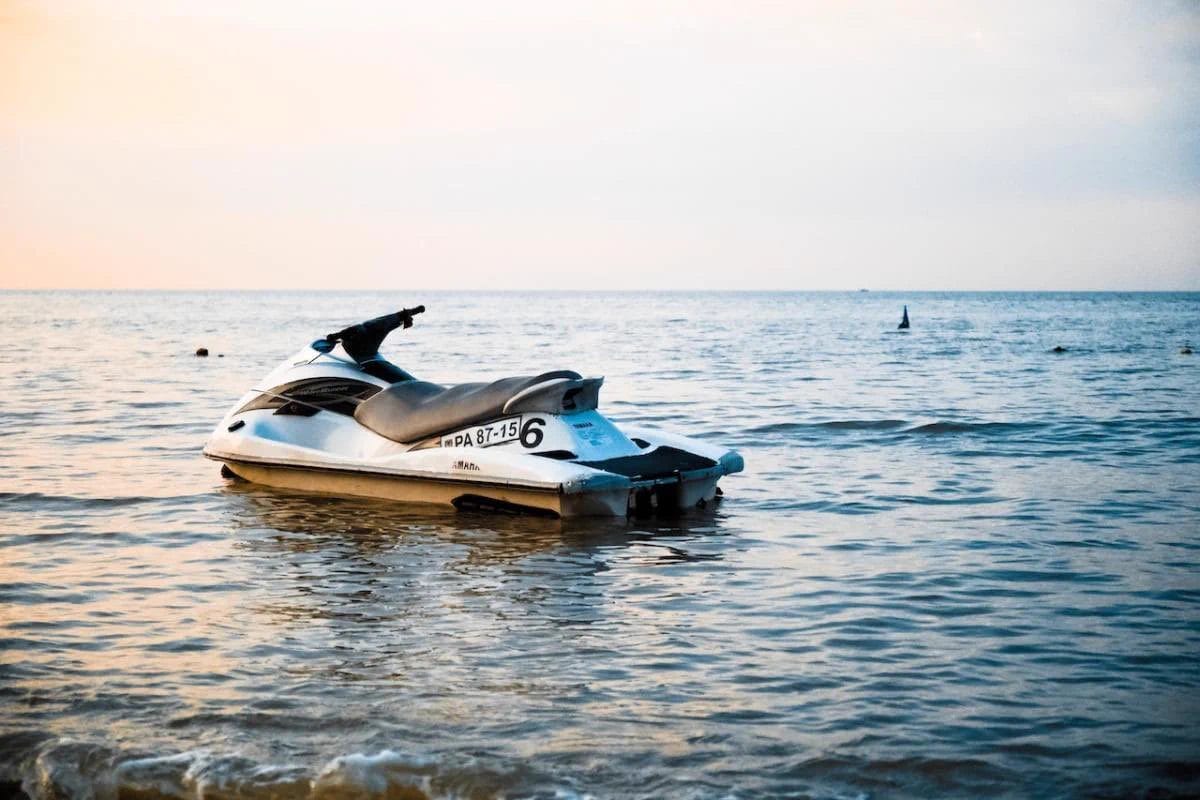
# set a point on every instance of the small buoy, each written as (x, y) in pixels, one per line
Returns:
(904, 321)
(201, 351)
(1185, 351)
(220, 355)
(1058, 348)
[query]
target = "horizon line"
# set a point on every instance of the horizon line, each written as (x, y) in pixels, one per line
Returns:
(243, 290)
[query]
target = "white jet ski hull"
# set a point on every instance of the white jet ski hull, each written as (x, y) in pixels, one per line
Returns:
(694, 494)
(282, 451)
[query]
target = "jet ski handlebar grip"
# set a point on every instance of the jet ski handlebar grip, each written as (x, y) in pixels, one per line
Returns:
(403, 317)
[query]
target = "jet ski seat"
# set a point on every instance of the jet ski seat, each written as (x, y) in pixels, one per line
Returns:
(409, 411)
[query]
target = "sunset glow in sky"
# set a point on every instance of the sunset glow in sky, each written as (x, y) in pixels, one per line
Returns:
(689, 145)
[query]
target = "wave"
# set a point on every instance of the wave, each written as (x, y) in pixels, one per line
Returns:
(936, 428)
(60, 769)
(1071, 428)
(40, 500)
(863, 424)
(837, 425)
(51, 768)
(900, 426)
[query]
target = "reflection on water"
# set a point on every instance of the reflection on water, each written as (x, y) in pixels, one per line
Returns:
(957, 565)
(354, 561)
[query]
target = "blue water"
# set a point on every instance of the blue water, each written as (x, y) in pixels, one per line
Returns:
(957, 565)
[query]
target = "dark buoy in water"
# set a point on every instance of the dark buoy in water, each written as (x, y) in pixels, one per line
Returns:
(201, 351)
(1058, 348)
(904, 322)
(1186, 350)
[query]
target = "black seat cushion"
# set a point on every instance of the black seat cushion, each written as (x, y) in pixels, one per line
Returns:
(412, 410)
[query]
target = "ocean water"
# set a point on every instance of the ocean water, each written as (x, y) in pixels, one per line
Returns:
(957, 565)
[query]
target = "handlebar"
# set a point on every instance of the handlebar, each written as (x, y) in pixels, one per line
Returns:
(362, 341)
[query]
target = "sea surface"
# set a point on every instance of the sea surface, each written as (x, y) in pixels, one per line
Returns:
(958, 564)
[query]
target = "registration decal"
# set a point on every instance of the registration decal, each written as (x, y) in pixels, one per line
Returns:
(492, 433)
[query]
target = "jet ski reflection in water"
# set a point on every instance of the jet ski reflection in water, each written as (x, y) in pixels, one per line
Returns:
(339, 418)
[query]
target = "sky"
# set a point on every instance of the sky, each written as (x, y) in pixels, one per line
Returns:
(549, 144)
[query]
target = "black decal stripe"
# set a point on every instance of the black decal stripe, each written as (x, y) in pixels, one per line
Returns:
(339, 395)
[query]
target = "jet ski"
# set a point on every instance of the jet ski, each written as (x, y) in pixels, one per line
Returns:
(338, 418)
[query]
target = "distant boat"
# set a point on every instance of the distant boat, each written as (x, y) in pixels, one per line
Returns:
(904, 322)
(864, 290)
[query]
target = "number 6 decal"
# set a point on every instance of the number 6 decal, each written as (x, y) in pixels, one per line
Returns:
(531, 436)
